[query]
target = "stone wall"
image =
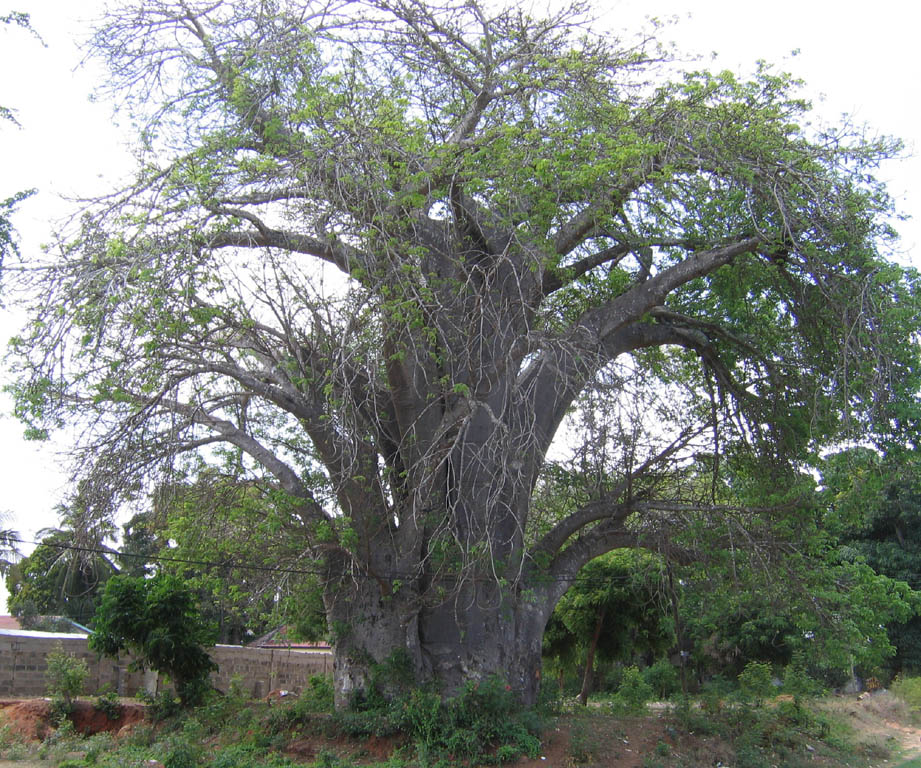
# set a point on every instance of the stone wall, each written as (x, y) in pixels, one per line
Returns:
(259, 670)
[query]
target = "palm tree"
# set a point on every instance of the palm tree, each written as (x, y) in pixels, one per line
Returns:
(9, 554)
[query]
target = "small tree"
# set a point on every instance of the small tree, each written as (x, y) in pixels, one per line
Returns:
(66, 675)
(159, 621)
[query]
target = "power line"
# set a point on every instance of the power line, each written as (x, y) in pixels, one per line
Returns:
(215, 564)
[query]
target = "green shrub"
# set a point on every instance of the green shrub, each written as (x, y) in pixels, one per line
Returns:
(97, 745)
(162, 706)
(755, 682)
(181, 755)
(65, 675)
(109, 705)
(484, 720)
(663, 678)
(633, 693)
(713, 693)
(316, 698)
(908, 689)
(237, 756)
(797, 682)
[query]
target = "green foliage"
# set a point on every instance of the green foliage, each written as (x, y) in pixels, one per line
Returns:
(8, 240)
(908, 689)
(756, 683)
(97, 745)
(9, 551)
(662, 677)
(109, 704)
(55, 580)
(65, 675)
(797, 681)
(633, 693)
(226, 519)
(874, 503)
(183, 755)
(483, 719)
(161, 706)
(624, 588)
(315, 698)
(158, 620)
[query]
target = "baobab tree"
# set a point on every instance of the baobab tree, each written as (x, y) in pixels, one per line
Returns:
(382, 250)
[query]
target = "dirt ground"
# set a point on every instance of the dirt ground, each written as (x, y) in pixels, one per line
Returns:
(30, 719)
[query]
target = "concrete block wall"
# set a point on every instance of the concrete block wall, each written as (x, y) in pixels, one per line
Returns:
(259, 670)
(22, 664)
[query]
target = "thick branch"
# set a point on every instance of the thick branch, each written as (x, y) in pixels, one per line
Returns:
(288, 478)
(341, 255)
(613, 505)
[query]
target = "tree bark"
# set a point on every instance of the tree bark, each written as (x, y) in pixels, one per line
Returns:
(477, 634)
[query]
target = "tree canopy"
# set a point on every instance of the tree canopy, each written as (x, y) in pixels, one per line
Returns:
(386, 251)
(8, 239)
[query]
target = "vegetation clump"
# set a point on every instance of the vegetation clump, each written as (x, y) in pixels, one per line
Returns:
(158, 620)
(66, 675)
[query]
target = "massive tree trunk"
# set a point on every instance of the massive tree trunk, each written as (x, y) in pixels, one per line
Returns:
(385, 639)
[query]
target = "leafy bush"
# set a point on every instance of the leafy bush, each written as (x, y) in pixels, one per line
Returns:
(65, 675)
(237, 756)
(663, 678)
(483, 720)
(97, 745)
(797, 681)
(713, 694)
(755, 682)
(908, 689)
(316, 698)
(633, 693)
(108, 704)
(182, 755)
(162, 706)
(221, 710)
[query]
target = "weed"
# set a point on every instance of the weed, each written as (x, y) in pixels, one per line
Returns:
(582, 741)
(60, 741)
(7, 737)
(17, 751)
(182, 754)
(237, 756)
(315, 699)
(97, 745)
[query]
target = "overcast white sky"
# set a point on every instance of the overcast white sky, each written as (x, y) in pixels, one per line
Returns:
(856, 57)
